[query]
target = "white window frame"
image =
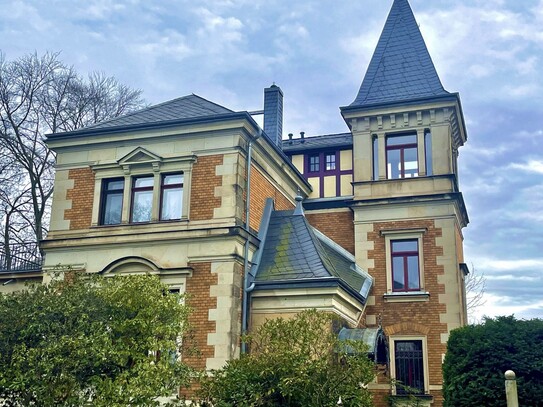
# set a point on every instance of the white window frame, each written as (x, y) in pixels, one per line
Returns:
(141, 162)
(392, 347)
(404, 234)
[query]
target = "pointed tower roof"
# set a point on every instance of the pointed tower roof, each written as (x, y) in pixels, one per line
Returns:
(401, 68)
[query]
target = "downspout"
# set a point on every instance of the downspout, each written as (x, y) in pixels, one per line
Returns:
(246, 289)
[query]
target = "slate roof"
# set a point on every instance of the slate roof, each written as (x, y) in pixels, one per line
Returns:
(401, 68)
(318, 142)
(185, 107)
(293, 251)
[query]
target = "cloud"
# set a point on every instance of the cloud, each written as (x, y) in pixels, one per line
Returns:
(497, 305)
(533, 166)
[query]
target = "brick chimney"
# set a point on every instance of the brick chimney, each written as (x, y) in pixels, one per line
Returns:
(273, 114)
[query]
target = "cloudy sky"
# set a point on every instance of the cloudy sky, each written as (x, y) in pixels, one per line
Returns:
(491, 51)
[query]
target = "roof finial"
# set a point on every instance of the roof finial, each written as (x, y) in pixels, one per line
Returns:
(299, 208)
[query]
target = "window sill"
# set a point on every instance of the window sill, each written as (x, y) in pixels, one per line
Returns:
(132, 224)
(407, 400)
(410, 296)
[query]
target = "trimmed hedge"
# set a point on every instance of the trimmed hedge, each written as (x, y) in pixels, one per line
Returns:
(478, 356)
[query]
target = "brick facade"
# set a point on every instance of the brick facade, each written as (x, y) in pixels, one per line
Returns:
(261, 189)
(202, 193)
(81, 195)
(412, 318)
(338, 226)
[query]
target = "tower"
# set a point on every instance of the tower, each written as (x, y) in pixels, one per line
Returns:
(407, 207)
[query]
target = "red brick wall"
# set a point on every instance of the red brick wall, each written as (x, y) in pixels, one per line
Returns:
(82, 196)
(202, 193)
(412, 318)
(338, 226)
(261, 189)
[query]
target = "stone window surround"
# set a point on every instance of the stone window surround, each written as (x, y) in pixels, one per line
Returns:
(392, 339)
(128, 169)
(381, 147)
(403, 234)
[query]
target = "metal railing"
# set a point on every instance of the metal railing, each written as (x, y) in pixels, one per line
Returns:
(18, 258)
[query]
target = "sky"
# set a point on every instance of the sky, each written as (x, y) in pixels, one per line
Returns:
(228, 51)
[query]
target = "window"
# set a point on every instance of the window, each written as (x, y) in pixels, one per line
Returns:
(405, 265)
(409, 366)
(112, 201)
(375, 157)
(142, 199)
(402, 159)
(330, 160)
(428, 152)
(171, 197)
(314, 163)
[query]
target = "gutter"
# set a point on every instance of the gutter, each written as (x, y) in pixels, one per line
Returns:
(246, 288)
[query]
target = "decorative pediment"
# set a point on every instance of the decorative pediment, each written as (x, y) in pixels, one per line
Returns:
(140, 156)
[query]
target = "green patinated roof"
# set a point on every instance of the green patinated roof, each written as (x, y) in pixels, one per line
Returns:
(293, 251)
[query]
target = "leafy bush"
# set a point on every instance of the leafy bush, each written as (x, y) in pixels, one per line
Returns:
(295, 362)
(478, 356)
(90, 342)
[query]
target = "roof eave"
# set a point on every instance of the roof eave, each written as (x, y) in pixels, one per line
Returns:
(153, 125)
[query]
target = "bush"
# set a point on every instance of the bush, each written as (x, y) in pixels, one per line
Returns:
(296, 362)
(478, 356)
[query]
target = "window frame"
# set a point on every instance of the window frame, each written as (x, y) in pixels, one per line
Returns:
(134, 190)
(105, 192)
(393, 361)
(389, 236)
(402, 148)
(165, 187)
(405, 255)
(311, 164)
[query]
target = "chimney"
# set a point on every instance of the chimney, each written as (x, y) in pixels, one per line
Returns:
(273, 114)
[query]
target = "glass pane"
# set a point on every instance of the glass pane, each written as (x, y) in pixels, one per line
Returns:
(428, 152)
(330, 162)
(413, 273)
(393, 164)
(411, 164)
(405, 246)
(314, 163)
(172, 203)
(173, 179)
(115, 185)
(398, 274)
(401, 140)
(375, 159)
(113, 209)
(143, 182)
(141, 209)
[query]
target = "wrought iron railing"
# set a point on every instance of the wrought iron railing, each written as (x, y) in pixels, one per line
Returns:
(17, 258)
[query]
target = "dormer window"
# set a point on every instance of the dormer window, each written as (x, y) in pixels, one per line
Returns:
(402, 157)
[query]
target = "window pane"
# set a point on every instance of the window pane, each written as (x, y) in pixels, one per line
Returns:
(141, 207)
(375, 158)
(408, 358)
(114, 185)
(399, 140)
(112, 209)
(428, 153)
(398, 273)
(143, 182)
(172, 179)
(413, 279)
(172, 203)
(393, 164)
(405, 246)
(411, 164)
(314, 163)
(330, 162)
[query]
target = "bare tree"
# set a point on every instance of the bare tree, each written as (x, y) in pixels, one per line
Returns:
(475, 289)
(41, 95)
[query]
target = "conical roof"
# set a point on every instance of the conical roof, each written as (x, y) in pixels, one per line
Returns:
(401, 68)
